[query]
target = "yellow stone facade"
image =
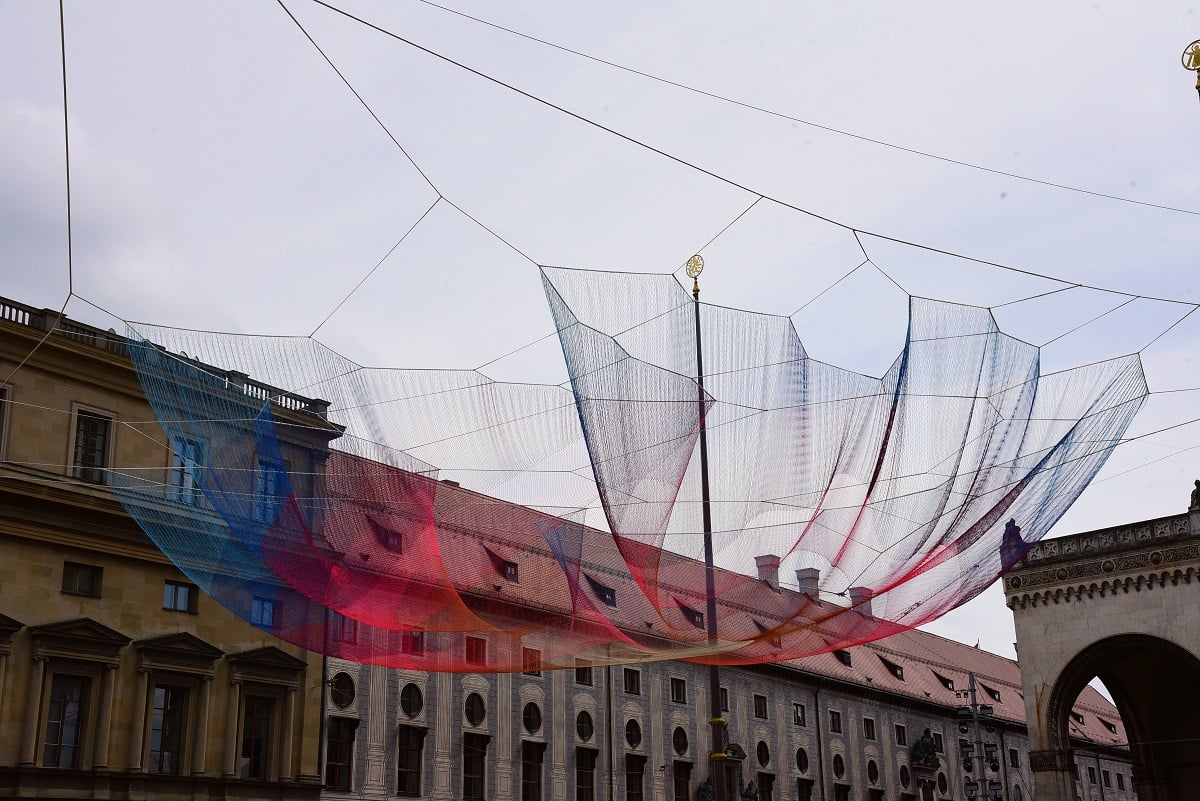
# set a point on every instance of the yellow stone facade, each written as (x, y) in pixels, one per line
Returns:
(82, 595)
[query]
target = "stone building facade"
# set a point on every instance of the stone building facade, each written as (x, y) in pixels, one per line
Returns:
(118, 678)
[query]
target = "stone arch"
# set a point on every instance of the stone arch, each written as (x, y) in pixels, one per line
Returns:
(1151, 680)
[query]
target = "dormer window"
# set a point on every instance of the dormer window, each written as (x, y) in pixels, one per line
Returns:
(893, 668)
(947, 683)
(694, 616)
(843, 657)
(510, 571)
(994, 693)
(607, 595)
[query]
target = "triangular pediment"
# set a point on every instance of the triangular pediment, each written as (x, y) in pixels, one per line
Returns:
(82, 636)
(181, 647)
(9, 626)
(269, 658)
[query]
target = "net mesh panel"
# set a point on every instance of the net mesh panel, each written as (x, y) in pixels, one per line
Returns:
(888, 498)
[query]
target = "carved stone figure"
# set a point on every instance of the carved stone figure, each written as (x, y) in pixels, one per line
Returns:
(1195, 503)
(924, 751)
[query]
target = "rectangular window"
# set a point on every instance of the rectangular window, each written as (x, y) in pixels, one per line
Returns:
(724, 699)
(1120, 781)
(510, 572)
(835, 722)
(91, 446)
(766, 787)
(82, 579)
(342, 628)
(410, 742)
(264, 612)
(257, 719)
(678, 690)
(760, 706)
(585, 774)
(180, 596)
(65, 721)
(799, 715)
(531, 659)
(901, 734)
(531, 771)
(583, 674)
(412, 642)
(476, 651)
(635, 777)
(4, 406)
(938, 745)
(841, 792)
(187, 462)
(1106, 777)
(166, 729)
(269, 483)
(474, 765)
(633, 681)
(868, 729)
(682, 773)
(339, 753)
(1014, 758)
(804, 788)
(1091, 775)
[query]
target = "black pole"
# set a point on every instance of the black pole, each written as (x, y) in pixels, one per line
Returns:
(717, 757)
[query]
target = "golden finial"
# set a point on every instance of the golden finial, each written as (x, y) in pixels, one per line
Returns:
(695, 266)
(1191, 60)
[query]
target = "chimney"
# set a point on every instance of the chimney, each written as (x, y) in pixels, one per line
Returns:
(808, 579)
(768, 569)
(860, 599)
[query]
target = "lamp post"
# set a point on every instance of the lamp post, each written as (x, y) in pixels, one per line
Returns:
(695, 266)
(986, 752)
(1191, 60)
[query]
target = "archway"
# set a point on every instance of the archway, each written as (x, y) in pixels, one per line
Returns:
(1152, 683)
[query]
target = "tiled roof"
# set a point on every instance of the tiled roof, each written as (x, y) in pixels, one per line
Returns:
(933, 668)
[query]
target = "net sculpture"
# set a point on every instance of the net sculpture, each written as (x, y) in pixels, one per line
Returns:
(314, 501)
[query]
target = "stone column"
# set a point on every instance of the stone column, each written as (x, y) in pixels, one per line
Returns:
(378, 724)
(33, 709)
(200, 743)
(104, 724)
(504, 738)
(137, 729)
(231, 727)
(1053, 774)
(3, 676)
(289, 718)
(446, 705)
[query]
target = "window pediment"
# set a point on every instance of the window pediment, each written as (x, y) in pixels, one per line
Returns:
(79, 638)
(8, 627)
(267, 664)
(182, 651)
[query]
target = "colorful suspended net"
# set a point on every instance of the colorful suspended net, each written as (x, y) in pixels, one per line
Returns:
(575, 530)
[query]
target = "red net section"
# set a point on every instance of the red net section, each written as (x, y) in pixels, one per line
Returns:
(844, 508)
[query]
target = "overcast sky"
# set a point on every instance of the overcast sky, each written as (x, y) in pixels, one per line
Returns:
(225, 178)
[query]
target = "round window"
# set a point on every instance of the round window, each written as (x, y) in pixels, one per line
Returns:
(633, 733)
(341, 690)
(839, 766)
(942, 783)
(583, 726)
(873, 772)
(475, 709)
(764, 753)
(411, 700)
(801, 760)
(679, 740)
(531, 717)
(1017, 794)
(904, 777)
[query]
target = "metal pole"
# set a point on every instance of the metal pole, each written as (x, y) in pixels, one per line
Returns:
(716, 720)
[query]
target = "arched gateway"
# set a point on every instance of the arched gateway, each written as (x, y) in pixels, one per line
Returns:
(1121, 604)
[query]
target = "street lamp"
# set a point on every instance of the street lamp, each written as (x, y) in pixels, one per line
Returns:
(970, 718)
(1191, 61)
(695, 266)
